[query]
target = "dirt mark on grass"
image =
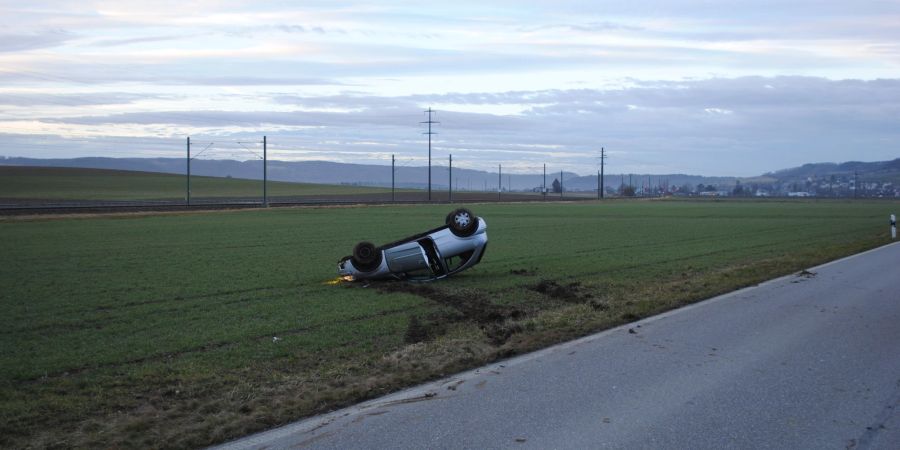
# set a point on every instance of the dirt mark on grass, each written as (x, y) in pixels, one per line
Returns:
(573, 293)
(524, 272)
(467, 305)
(471, 304)
(550, 288)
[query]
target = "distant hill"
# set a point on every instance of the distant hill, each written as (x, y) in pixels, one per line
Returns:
(325, 172)
(319, 172)
(20, 184)
(883, 171)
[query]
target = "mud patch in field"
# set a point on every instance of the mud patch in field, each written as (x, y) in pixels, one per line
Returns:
(420, 331)
(572, 293)
(553, 289)
(500, 332)
(524, 272)
(471, 304)
(467, 305)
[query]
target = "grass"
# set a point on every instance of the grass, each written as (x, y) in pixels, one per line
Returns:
(63, 183)
(160, 330)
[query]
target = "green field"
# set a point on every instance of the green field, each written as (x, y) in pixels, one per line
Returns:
(63, 183)
(182, 330)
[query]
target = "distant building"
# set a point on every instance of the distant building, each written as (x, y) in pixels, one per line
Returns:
(715, 194)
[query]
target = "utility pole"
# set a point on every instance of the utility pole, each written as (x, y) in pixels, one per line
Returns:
(393, 172)
(265, 176)
(602, 163)
(450, 181)
(499, 180)
(544, 185)
(560, 184)
(188, 192)
(429, 133)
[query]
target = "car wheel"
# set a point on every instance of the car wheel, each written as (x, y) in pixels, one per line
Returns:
(366, 257)
(462, 222)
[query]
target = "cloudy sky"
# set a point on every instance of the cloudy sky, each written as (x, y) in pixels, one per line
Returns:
(708, 87)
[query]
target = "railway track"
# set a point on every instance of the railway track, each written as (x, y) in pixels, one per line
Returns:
(11, 209)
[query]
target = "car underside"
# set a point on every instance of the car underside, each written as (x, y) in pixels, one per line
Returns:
(432, 255)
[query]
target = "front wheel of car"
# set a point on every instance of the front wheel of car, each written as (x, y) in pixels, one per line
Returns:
(462, 222)
(366, 257)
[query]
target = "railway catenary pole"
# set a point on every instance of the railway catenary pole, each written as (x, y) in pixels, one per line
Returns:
(499, 180)
(188, 188)
(602, 163)
(450, 181)
(544, 184)
(265, 175)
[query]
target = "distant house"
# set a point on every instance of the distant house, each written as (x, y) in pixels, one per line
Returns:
(799, 194)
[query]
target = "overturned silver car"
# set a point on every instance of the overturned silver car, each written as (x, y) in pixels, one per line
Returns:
(431, 255)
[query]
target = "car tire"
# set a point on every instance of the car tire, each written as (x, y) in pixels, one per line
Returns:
(366, 257)
(462, 222)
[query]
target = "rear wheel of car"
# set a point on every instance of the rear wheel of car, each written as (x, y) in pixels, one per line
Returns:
(366, 257)
(462, 222)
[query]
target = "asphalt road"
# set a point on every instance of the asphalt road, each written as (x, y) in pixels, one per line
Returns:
(806, 361)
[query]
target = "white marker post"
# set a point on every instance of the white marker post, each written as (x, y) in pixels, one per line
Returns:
(893, 227)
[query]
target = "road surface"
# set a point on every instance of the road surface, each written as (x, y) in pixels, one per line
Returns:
(806, 361)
